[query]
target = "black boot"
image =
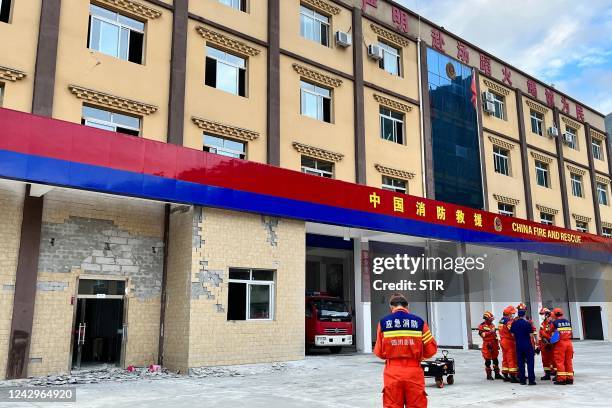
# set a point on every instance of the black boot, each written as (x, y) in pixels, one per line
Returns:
(546, 376)
(569, 381)
(513, 379)
(498, 375)
(562, 382)
(506, 378)
(532, 383)
(489, 376)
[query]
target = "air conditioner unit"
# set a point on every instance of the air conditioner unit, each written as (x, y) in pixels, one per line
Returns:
(343, 39)
(489, 107)
(553, 131)
(488, 97)
(375, 52)
(568, 138)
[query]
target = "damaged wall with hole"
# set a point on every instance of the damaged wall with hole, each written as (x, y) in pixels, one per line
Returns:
(204, 244)
(92, 236)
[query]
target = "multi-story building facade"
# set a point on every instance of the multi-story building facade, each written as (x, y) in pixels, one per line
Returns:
(361, 91)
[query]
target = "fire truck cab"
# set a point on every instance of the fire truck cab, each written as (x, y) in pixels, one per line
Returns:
(329, 322)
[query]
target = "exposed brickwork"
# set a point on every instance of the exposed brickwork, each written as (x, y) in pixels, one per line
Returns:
(92, 235)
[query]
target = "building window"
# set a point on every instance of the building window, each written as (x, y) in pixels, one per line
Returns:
(542, 174)
(606, 232)
(237, 4)
(113, 121)
(597, 151)
(547, 219)
(5, 10)
(317, 167)
(314, 26)
(225, 71)
(582, 226)
(537, 123)
(394, 184)
(576, 185)
(391, 60)
(602, 193)
(501, 160)
(250, 294)
(224, 146)
(114, 34)
(315, 101)
(572, 141)
(500, 106)
(391, 125)
(505, 209)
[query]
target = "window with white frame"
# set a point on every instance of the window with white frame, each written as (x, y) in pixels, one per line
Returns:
(225, 71)
(572, 141)
(250, 294)
(606, 232)
(314, 26)
(391, 60)
(602, 193)
(5, 11)
(501, 160)
(394, 184)
(108, 120)
(315, 101)
(237, 4)
(582, 226)
(317, 167)
(597, 150)
(500, 106)
(116, 35)
(542, 174)
(576, 185)
(547, 219)
(224, 146)
(505, 209)
(537, 123)
(391, 125)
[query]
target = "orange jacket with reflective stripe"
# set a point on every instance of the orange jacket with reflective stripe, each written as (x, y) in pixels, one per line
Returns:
(564, 327)
(402, 335)
(504, 328)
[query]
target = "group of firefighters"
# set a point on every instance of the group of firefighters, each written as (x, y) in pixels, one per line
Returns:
(520, 342)
(403, 340)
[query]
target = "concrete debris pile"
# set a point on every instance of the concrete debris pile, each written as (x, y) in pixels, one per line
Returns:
(106, 374)
(236, 371)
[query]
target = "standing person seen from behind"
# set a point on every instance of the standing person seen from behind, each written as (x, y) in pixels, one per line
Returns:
(523, 332)
(403, 341)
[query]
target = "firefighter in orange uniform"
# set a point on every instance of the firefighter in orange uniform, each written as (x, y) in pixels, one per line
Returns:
(563, 350)
(490, 346)
(508, 345)
(544, 345)
(403, 340)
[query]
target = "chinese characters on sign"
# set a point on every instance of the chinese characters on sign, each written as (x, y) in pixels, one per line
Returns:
(437, 41)
(550, 97)
(579, 113)
(565, 108)
(507, 76)
(531, 88)
(400, 19)
(365, 3)
(485, 64)
(463, 54)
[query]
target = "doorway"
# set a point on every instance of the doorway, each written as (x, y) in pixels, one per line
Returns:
(98, 328)
(592, 328)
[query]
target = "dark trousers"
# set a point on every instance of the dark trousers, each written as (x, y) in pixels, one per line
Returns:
(525, 355)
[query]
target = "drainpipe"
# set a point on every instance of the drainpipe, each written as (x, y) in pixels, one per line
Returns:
(162, 311)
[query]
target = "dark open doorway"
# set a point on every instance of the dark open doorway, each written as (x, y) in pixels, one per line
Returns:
(592, 327)
(98, 327)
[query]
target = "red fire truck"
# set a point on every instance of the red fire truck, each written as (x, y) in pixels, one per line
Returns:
(329, 322)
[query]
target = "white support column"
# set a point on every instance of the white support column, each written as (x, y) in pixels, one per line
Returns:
(363, 315)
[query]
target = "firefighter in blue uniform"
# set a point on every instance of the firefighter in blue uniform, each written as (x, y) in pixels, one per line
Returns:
(523, 330)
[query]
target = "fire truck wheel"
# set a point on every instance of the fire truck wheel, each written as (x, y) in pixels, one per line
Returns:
(450, 380)
(440, 382)
(335, 350)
